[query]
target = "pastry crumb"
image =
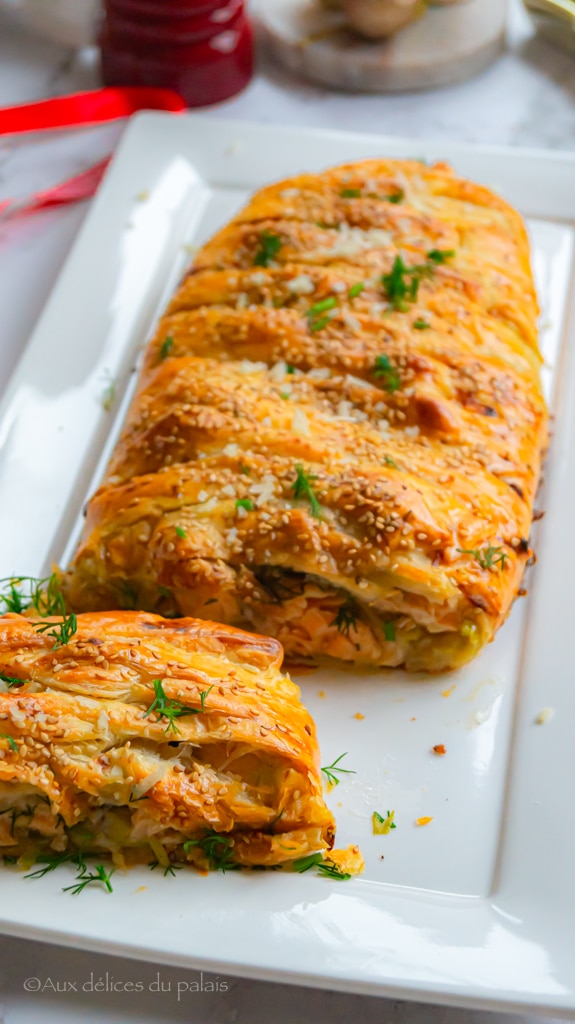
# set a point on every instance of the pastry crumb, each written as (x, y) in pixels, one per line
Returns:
(545, 715)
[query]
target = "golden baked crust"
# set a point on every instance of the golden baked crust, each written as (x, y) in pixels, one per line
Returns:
(338, 433)
(85, 766)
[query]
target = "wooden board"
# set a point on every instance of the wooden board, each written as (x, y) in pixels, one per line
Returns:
(446, 45)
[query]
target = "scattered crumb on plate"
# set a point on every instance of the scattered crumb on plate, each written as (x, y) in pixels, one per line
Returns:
(545, 715)
(423, 821)
(439, 749)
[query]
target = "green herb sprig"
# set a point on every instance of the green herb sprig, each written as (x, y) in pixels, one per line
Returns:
(166, 707)
(166, 347)
(303, 488)
(51, 861)
(217, 848)
(385, 371)
(44, 595)
(487, 557)
(270, 246)
(86, 878)
(332, 771)
(325, 868)
(440, 255)
(11, 680)
(345, 619)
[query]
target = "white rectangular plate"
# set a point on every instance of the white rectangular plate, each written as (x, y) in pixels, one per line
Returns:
(476, 908)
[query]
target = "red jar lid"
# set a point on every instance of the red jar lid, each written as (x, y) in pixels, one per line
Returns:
(205, 73)
(154, 10)
(138, 32)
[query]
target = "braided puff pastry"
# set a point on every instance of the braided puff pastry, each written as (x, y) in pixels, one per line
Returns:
(338, 433)
(227, 751)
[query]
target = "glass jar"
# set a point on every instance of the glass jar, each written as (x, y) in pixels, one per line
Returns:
(202, 49)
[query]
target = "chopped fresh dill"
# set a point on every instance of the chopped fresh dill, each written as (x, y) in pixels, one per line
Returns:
(345, 619)
(303, 488)
(166, 347)
(305, 863)
(389, 630)
(381, 826)
(421, 325)
(440, 255)
(203, 696)
(167, 708)
(385, 371)
(217, 849)
(332, 770)
(10, 741)
(350, 193)
(180, 532)
(11, 680)
(51, 861)
(84, 878)
(246, 503)
(487, 557)
(169, 870)
(270, 246)
(355, 290)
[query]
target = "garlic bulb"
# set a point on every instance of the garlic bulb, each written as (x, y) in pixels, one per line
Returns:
(377, 19)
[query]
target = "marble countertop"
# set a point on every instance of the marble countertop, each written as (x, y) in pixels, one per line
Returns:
(526, 98)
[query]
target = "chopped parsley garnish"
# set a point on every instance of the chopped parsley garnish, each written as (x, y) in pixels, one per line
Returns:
(440, 255)
(350, 193)
(84, 878)
(11, 680)
(487, 557)
(217, 849)
(355, 290)
(167, 708)
(246, 503)
(180, 532)
(245, 470)
(166, 347)
(397, 197)
(270, 246)
(345, 620)
(381, 826)
(389, 630)
(387, 373)
(390, 462)
(421, 325)
(332, 770)
(303, 488)
(290, 368)
(10, 741)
